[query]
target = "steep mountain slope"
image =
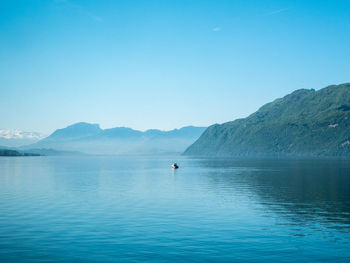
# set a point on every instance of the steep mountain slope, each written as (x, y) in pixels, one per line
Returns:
(90, 138)
(303, 123)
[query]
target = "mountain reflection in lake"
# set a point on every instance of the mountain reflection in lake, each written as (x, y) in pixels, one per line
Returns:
(107, 209)
(304, 191)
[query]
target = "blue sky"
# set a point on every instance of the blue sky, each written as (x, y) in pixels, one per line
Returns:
(162, 64)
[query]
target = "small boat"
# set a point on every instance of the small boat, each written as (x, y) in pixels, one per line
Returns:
(174, 166)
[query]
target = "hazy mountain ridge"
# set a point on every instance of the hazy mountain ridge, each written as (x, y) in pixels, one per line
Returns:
(303, 123)
(90, 138)
(75, 131)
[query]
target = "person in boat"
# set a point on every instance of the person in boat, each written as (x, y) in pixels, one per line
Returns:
(174, 166)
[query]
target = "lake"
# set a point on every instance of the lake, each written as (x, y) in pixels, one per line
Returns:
(137, 209)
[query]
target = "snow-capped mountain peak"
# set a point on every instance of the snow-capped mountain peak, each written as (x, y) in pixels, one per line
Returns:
(17, 134)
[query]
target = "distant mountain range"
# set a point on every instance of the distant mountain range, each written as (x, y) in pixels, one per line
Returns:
(14, 138)
(91, 139)
(303, 123)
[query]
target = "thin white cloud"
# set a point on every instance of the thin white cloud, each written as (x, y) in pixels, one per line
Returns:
(275, 12)
(79, 9)
(216, 29)
(93, 16)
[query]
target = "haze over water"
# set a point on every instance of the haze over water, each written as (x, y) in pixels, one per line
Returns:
(137, 209)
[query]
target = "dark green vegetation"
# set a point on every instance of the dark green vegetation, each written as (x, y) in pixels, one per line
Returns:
(6, 152)
(303, 123)
(52, 152)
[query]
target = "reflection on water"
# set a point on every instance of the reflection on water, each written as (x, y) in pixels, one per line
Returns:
(304, 191)
(108, 209)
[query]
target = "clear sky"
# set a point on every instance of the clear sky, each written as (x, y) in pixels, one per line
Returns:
(162, 64)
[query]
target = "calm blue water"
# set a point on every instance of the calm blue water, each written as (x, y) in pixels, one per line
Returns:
(137, 209)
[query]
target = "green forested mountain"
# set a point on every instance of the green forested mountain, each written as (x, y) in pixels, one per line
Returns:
(303, 123)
